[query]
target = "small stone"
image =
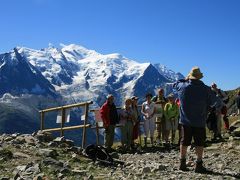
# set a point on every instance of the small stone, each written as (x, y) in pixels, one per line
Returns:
(21, 168)
(44, 136)
(34, 169)
(162, 167)
(64, 170)
(60, 176)
(5, 154)
(48, 153)
(19, 140)
(38, 177)
(90, 177)
(220, 166)
(20, 155)
(52, 144)
(30, 140)
(69, 142)
(80, 172)
(146, 170)
(15, 135)
(51, 161)
(59, 140)
(7, 139)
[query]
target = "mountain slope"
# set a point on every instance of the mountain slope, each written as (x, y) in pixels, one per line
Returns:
(18, 76)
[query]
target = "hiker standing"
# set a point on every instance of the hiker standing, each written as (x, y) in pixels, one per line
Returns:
(171, 112)
(148, 109)
(110, 118)
(195, 98)
(218, 110)
(177, 101)
(221, 94)
(137, 118)
(237, 101)
(160, 102)
(127, 120)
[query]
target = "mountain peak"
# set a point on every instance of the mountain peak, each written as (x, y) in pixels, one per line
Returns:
(77, 52)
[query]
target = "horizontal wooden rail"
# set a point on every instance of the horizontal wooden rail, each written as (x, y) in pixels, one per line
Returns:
(92, 110)
(66, 128)
(101, 127)
(66, 106)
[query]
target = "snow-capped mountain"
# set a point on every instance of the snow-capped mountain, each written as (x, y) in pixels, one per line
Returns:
(169, 74)
(31, 80)
(82, 74)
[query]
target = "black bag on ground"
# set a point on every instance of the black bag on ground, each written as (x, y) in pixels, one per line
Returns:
(98, 153)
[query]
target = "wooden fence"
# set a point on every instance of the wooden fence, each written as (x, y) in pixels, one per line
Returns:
(63, 118)
(85, 124)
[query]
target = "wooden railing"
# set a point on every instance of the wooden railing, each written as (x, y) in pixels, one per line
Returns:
(84, 126)
(63, 117)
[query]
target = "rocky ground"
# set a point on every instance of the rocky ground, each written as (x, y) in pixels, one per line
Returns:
(39, 156)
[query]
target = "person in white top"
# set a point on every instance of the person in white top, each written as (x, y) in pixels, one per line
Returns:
(148, 110)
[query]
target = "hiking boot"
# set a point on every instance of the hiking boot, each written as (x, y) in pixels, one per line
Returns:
(152, 141)
(199, 167)
(145, 141)
(183, 165)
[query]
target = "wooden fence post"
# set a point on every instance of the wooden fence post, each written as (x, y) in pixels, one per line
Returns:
(97, 133)
(84, 128)
(42, 120)
(63, 121)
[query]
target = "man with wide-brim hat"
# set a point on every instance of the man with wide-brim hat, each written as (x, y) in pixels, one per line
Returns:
(195, 98)
(195, 73)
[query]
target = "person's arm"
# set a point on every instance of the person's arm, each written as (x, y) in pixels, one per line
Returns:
(176, 111)
(166, 114)
(103, 112)
(143, 111)
(212, 99)
(154, 111)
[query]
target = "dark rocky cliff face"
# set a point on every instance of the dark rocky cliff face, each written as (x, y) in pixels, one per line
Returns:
(17, 76)
(150, 81)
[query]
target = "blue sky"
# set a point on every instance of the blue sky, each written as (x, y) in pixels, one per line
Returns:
(177, 33)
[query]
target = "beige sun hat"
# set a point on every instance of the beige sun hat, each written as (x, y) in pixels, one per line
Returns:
(195, 73)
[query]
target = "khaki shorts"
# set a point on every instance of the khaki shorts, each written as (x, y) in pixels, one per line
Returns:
(171, 125)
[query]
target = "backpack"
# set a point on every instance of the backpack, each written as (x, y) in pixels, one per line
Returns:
(98, 153)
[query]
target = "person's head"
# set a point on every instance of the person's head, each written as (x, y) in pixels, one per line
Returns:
(110, 98)
(128, 103)
(160, 92)
(195, 74)
(134, 100)
(148, 97)
(171, 98)
(214, 85)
